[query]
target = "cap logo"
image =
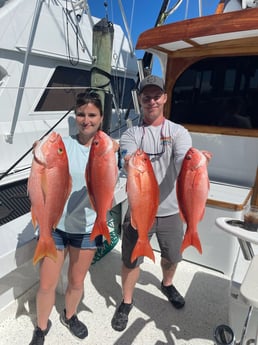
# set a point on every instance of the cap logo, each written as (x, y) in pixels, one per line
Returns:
(151, 79)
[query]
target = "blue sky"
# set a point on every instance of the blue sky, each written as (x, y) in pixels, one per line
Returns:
(142, 14)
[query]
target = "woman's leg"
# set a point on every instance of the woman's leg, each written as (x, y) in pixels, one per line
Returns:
(49, 276)
(79, 263)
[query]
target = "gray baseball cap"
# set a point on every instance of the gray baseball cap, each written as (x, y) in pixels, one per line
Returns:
(152, 80)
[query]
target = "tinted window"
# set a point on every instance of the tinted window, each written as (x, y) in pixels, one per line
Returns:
(67, 82)
(218, 92)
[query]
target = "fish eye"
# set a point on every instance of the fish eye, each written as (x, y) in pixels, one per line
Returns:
(60, 151)
(188, 157)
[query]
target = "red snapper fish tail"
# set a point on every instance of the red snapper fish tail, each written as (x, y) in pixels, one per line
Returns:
(142, 248)
(100, 228)
(191, 238)
(45, 247)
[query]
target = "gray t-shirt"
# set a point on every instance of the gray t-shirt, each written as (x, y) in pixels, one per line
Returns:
(166, 146)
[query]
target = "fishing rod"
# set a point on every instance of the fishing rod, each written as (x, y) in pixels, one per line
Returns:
(26, 153)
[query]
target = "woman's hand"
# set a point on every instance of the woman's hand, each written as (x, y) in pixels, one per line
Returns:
(34, 145)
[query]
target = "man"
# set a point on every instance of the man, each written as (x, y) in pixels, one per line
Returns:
(166, 143)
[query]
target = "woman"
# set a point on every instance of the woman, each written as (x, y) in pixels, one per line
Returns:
(72, 235)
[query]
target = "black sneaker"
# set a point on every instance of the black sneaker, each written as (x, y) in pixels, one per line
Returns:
(39, 335)
(76, 327)
(120, 318)
(173, 296)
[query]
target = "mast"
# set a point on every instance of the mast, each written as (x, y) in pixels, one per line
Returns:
(103, 35)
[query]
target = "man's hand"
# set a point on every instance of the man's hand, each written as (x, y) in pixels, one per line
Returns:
(126, 162)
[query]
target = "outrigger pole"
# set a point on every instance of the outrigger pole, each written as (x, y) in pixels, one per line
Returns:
(9, 137)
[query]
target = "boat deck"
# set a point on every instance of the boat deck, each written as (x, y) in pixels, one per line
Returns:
(152, 321)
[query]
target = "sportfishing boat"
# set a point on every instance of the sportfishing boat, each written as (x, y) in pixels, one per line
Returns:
(49, 52)
(210, 67)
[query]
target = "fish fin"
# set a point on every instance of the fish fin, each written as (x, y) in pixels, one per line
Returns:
(182, 216)
(45, 247)
(142, 248)
(33, 219)
(191, 238)
(100, 228)
(133, 223)
(202, 215)
(92, 202)
(90, 193)
(69, 189)
(44, 185)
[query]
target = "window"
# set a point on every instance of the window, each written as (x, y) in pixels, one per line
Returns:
(218, 92)
(71, 81)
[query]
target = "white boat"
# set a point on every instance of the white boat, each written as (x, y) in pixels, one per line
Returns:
(207, 62)
(46, 58)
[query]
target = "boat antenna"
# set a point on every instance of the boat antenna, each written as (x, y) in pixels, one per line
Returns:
(106, 8)
(200, 8)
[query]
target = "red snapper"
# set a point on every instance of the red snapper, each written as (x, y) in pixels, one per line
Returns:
(143, 198)
(192, 192)
(101, 177)
(49, 186)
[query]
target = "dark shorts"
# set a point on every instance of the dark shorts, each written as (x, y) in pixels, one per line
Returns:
(169, 231)
(63, 239)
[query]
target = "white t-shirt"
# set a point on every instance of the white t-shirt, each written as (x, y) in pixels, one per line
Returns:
(78, 215)
(166, 146)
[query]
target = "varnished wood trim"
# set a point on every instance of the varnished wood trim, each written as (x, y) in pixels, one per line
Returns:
(199, 27)
(229, 205)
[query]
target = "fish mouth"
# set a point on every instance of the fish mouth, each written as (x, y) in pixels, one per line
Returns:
(202, 161)
(38, 151)
(137, 164)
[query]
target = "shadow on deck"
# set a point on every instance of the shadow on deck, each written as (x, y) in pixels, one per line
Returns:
(152, 321)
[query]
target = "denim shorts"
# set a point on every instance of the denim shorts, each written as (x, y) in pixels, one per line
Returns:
(63, 239)
(169, 231)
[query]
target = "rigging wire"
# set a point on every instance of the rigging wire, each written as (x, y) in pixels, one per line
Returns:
(121, 95)
(73, 62)
(27, 152)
